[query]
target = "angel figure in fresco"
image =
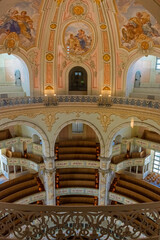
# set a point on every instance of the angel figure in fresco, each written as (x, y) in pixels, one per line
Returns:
(9, 23)
(18, 23)
(137, 27)
(79, 43)
(73, 44)
(25, 24)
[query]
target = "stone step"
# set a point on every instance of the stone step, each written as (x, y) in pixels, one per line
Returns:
(10, 89)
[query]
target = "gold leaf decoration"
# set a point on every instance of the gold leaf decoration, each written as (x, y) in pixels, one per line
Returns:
(49, 56)
(98, 2)
(106, 57)
(103, 26)
(59, 2)
(144, 45)
(49, 120)
(53, 25)
(78, 10)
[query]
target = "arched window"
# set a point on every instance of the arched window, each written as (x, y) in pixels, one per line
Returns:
(78, 79)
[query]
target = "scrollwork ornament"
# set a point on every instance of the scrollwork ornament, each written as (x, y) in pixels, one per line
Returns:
(145, 46)
(49, 120)
(105, 120)
(11, 43)
(52, 222)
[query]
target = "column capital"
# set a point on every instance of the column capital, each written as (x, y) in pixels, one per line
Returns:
(50, 171)
(104, 171)
(49, 162)
(49, 159)
(104, 162)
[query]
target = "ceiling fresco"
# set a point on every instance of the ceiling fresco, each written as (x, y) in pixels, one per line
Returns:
(78, 38)
(136, 24)
(20, 24)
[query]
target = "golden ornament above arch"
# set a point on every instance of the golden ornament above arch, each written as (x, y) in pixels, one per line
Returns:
(78, 10)
(144, 45)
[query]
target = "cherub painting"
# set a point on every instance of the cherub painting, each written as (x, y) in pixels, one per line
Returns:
(21, 22)
(136, 24)
(78, 38)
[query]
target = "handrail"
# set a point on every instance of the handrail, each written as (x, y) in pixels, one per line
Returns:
(89, 99)
(35, 222)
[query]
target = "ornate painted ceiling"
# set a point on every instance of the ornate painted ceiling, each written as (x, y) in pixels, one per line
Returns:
(56, 35)
(21, 20)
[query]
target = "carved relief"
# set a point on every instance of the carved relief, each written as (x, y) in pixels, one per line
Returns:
(49, 120)
(105, 116)
(105, 120)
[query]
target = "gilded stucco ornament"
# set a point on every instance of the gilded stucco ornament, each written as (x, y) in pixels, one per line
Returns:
(59, 2)
(98, 2)
(49, 57)
(78, 9)
(11, 43)
(144, 46)
(105, 120)
(103, 26)
(53, 25)
(49, 120)
(105, 115)
(106, 57)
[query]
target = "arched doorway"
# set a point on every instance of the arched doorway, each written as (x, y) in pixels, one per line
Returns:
(77, 151)
(78, 81)
(14, 81)
(143, 79)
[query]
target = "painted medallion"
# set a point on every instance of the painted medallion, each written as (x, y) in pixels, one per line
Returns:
(78, 38)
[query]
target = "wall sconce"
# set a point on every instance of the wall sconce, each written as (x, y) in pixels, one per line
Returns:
(50, 100)
(132, 123)
(105, 97)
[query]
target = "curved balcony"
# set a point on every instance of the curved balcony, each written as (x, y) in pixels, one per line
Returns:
(130, 163)
(136, 221)
(21, 162)
(89, 99)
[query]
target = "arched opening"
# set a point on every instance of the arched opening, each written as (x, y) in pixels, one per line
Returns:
(14, 80)
(135, 163)
(78, 81)
(20, 161)
(18, 143)
(36, 139)
(143, 78)
(77, 152)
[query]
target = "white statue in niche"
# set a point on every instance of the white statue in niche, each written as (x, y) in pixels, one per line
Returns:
(17, 77)
(137, 79)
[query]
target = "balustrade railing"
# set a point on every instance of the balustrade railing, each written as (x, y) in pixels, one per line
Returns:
(33, 222)
(100, 101)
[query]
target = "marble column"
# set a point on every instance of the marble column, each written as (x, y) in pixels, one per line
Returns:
(104, 180)
(49, 180)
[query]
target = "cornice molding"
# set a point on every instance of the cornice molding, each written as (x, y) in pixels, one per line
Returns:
(104, 115)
